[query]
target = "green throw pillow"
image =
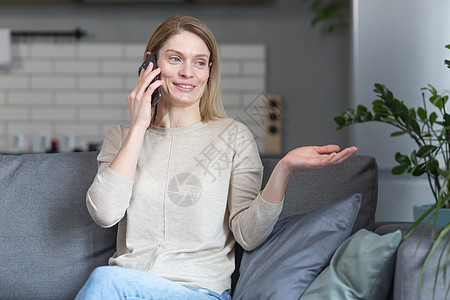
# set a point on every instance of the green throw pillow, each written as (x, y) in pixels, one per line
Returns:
(361, 268)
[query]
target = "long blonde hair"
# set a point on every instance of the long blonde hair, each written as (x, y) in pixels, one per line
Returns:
(211, 106)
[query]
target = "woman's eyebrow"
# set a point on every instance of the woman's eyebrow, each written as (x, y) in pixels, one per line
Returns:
(181, 54)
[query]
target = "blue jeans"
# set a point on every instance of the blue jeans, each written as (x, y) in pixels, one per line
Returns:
(122, 283)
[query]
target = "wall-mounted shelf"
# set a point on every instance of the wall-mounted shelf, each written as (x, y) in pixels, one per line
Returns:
(77, 34)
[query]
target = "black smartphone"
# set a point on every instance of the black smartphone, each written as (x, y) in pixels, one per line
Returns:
(157, 93)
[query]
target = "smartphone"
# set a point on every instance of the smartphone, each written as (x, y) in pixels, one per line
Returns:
(157, 93)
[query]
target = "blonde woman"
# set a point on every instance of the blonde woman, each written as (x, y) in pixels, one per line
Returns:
(182, 180)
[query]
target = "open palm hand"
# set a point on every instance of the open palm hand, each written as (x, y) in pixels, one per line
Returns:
(316, 157)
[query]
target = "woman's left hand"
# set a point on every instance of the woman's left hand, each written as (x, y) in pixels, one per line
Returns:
(316, 157)
(301, 158)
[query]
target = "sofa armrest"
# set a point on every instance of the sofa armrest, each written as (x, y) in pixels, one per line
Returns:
(410, 258)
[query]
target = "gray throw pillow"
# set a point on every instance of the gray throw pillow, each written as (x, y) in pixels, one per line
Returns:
(297, 250)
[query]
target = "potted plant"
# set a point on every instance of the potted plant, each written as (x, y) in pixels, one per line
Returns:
(430, 130)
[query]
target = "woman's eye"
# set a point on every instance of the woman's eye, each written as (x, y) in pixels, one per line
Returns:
(174, 59)
(201, 63)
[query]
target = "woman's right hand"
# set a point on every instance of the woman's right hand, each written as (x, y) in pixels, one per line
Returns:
(139, 103)
(139, 100)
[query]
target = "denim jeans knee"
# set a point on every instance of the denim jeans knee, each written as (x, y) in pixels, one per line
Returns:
(110, 282)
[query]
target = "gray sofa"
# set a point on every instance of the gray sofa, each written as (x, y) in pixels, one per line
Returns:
(49, 244)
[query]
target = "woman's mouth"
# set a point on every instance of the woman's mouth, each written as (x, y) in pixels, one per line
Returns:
(184, 86)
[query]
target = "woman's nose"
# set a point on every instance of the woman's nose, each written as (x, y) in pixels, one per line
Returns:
(186, 70)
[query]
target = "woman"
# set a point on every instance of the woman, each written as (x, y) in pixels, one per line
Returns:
(182, 180)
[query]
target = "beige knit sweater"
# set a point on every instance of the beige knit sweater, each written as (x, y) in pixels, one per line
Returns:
(196, 191)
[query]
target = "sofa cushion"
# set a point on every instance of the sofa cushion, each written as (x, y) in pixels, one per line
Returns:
(361, 268)
(310, 189)
(296, 252)
(49, 242)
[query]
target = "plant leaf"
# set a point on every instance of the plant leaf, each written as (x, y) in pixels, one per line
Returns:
(433, 118)
(419, 170)
(378, 88)
(340, 120)
(437, 101)
(398, 170)
(402, 159)
(397, 133)
(425, 150)
(361, 110)
(412, 113)
(422, 114)
(419, 220)
(432, 90)
(414, 157)
(447, 62)
(415, 126)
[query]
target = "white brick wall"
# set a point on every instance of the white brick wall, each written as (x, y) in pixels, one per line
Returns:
(81, 88)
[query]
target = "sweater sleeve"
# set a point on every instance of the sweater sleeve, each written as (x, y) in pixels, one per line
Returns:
(108, 197)
(251, 218)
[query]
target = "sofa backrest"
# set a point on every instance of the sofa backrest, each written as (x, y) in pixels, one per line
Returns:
(310, 189)
(49, 243)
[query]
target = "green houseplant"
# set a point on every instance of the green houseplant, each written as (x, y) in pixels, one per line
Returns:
(335, 14)
(430, 130)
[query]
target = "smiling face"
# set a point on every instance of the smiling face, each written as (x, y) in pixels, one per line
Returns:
(184, 63)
